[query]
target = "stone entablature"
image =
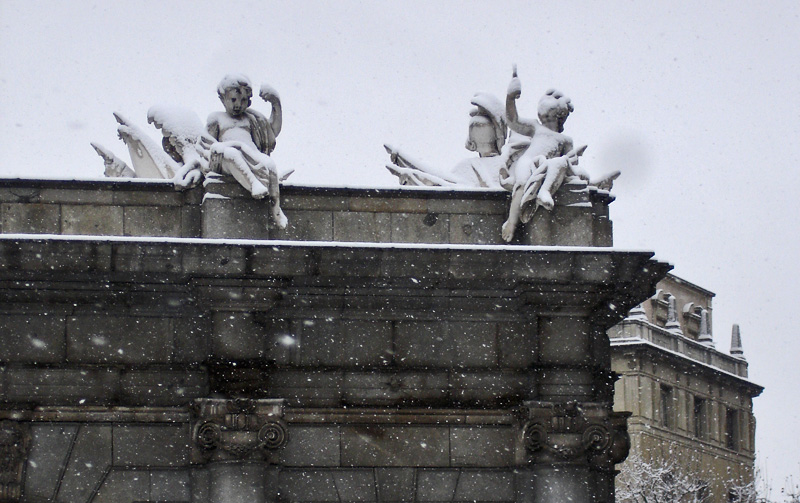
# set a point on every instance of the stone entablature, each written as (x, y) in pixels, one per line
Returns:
(226, 210)
(384, 347)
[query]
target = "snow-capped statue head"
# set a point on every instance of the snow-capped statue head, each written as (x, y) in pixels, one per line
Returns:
(554, 108)
(235, 92)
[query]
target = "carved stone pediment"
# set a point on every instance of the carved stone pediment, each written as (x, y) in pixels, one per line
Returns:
(572, 431)
(237, 429)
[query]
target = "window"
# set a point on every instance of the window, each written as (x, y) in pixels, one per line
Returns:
(666, 406)
(700, 417)
(732, 429)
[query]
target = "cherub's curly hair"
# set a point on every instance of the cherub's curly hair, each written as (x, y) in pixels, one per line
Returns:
(554, 103)
(235, 81)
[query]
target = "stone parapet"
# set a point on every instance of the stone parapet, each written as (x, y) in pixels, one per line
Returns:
(225, 210)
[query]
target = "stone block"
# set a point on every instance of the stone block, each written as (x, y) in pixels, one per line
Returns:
(395, 446)
(423, 343)
(228, 218)
(488, 387)
(306, 225)
(573, 226)
(191, 222)
(162, 387)
(276, 261)
(170, 485)
(124, 485)
(395, 484)
(57, 256)
(437, 485)
(151, 195)
(50, 386)
(481, 446)
(100, 195)
(355, 485)
(565, 384)
(475, 343)
(141, 257)
(192, 338)
(345, 343)
(420, 227)
(152, 221)
(237, 336)
(307, 388)
(383, 204)
(151, 445)
(349, 262)
(593, 268)
(49, 448)
(92, 220)
(30, 218)
(307, 485)
(394, 388)
(487, 203)
(563, 340)
(321, 202)
(474, 228)
(118, 339)
(363, 226)
(486, 266)
(215, 260)
(517, 344)
(415, 264)
(26, 195)
(542, 266)
(33, 338)
(88, 463)
(486, 486)
(311, 446)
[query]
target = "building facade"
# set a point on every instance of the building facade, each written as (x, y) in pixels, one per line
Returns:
(691, 403)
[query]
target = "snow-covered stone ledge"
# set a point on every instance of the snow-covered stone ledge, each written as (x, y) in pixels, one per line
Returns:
(226, 210)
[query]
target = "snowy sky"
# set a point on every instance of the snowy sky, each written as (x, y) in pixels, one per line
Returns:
(698, 103)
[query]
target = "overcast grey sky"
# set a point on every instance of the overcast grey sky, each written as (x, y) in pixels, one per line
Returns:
(698, 103)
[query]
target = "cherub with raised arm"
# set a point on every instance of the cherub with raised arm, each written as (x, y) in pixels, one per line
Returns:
(245, 138)
(549, 158)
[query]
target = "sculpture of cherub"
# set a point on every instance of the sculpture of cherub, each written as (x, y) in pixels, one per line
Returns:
(245, 138)
(237, 141)
(550, 157)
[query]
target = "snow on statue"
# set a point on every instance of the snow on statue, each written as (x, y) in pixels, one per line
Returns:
(237, 142)
(532, 164)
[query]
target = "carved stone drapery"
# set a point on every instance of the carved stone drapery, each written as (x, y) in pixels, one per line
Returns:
(237, 429)
(572, 431)
(14, 443)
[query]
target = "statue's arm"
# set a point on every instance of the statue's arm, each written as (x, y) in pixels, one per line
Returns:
(515, 123)
(213, 127)
(271, 96)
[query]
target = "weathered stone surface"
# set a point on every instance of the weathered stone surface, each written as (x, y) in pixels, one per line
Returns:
(312, 446)
(50, 386)
(486, 486)
(364, 226)
(88, 463)
(308, 485)
(50, 446)
(155, 387)
(420, 227)
(92, 220)
(124, 485)
(108, 339)
(170, 485)
(152, 221)
(234, 218)
(355, 485)
(151, 445)
(394, 446)
(437, 485)
(395, 484)
(38, 339)
(481, 446)
(30, 218)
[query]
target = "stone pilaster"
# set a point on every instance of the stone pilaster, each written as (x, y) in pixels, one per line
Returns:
(14, 443)
(237, 441)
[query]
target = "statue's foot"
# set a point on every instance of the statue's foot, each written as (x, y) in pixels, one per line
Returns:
(508, 231)
(545, 199)
(259, 191)
(280, 219)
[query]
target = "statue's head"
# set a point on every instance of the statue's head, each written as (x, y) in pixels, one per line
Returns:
(235, 92)
(554, 108)
(483, 137)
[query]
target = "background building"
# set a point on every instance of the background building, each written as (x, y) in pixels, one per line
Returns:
(691, 403)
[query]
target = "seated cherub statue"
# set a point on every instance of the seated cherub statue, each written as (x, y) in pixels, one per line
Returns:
(245, 138)
(549, 156)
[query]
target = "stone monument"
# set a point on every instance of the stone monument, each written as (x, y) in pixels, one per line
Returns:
(386, 345)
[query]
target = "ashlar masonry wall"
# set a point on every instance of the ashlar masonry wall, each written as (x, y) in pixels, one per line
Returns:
(172, 346)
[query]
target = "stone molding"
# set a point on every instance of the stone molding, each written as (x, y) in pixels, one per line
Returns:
(575, 432)
(237, 429)
(14, 445)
